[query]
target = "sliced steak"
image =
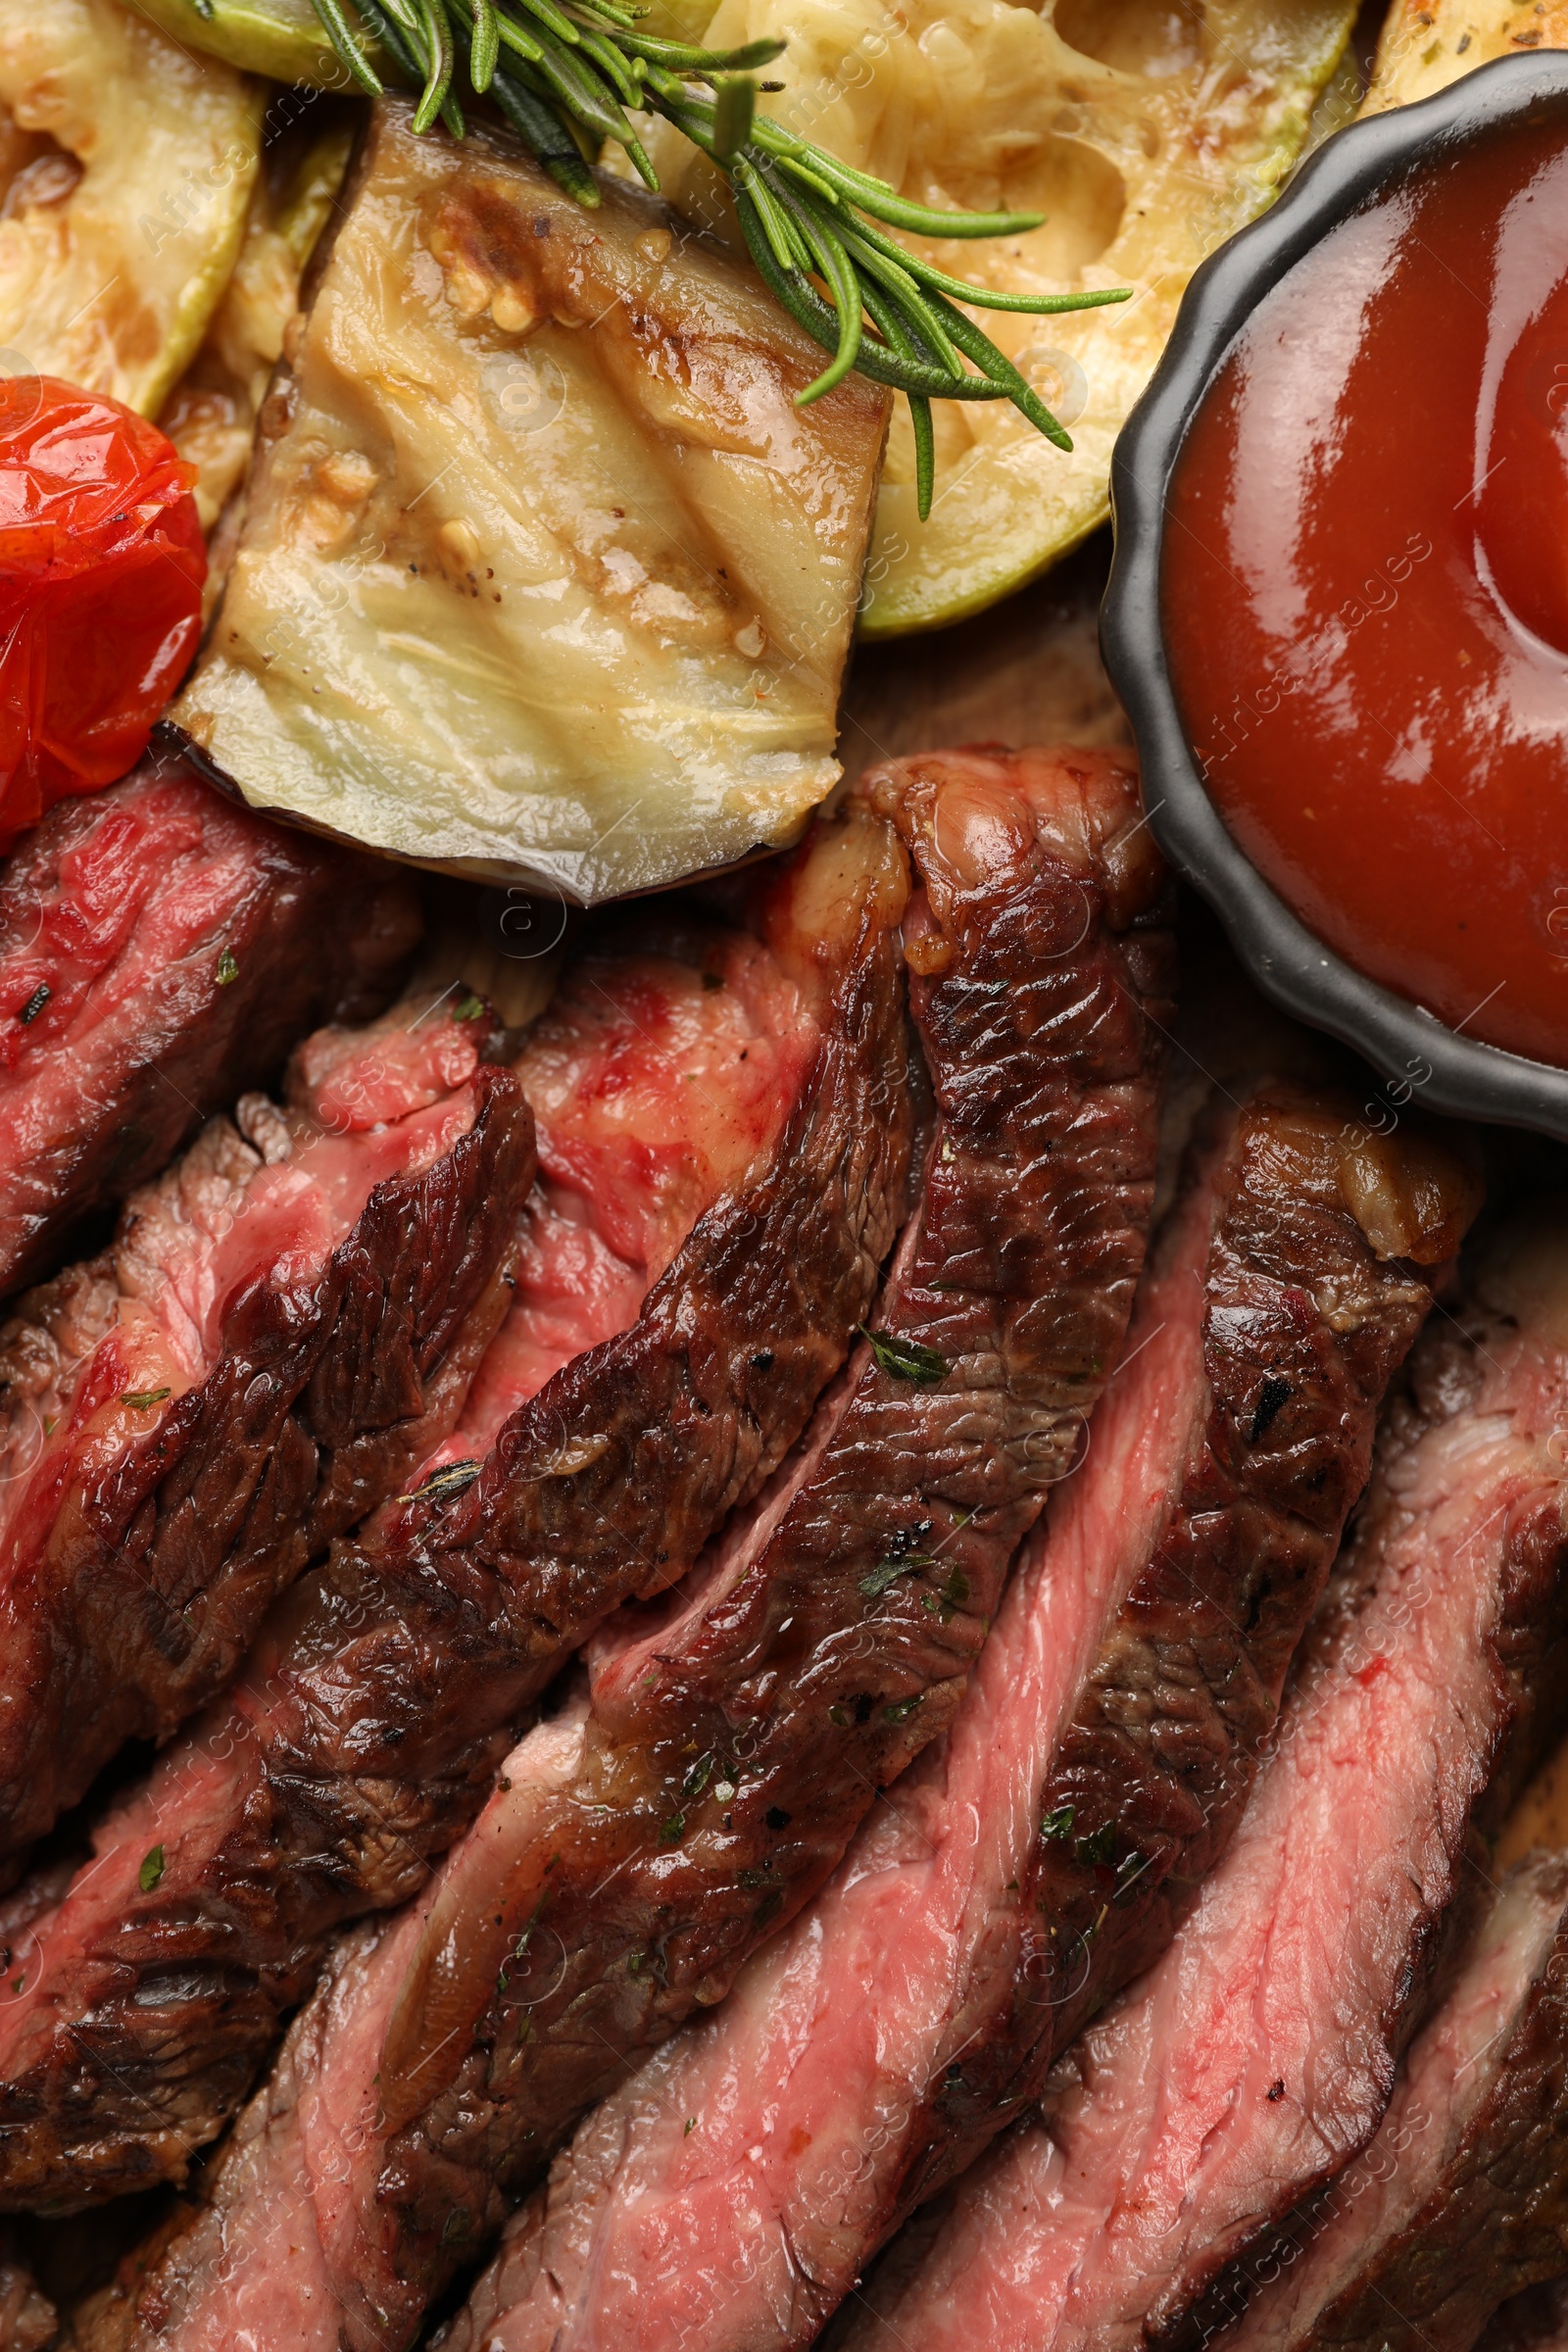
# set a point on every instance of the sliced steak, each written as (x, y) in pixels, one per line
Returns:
(1535, 2321)
(1462, 2196)
(642, 1843)
(1255, 2060)
(284, 1324)
(160, 950)
(29, 2321)
(755, 1136)
(730, 2195)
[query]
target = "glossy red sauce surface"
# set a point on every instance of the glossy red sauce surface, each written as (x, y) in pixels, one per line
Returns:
(1365, 589)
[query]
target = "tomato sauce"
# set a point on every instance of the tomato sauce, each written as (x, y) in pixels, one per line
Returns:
(1365, 589)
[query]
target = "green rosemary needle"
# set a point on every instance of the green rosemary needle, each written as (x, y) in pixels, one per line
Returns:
(564, 73)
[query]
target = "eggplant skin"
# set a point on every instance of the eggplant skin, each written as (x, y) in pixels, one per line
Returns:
(544, 576)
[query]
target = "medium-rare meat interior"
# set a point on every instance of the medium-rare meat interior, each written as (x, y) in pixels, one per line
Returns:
(160, 949)
(728, 1751)
(1461, 2197)
(734, 2191)
(724, 1116)
(282, 1326)
(1257, 2059)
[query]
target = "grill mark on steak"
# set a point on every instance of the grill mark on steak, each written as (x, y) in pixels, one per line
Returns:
(1137, 2214)
(1460, 2199)
(365, 1735)
(1036, 1191)
(122, 906)
(833, 2087)
(243, 1375)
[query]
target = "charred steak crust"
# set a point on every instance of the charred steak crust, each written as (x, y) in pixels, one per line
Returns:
(828, 2180)
(1453, 1374)
(322, 1400)
(1304, 1326)
(1292, 1987)
(719, 1788)
(400, 1672)
(146, 1029)
(1495, 2221)
(157, 1576)
(606, 1486)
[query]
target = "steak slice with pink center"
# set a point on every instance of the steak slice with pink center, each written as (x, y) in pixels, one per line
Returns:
(1257, 2059)
(1462, 2196)
(732, 2194)
(284, 1324)
(724, 1123)
(160, 949)
(684, 1810)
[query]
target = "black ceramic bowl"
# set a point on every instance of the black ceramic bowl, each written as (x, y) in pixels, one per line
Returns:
(1412, 1051)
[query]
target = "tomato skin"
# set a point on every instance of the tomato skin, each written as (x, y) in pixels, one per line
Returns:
(101, 565)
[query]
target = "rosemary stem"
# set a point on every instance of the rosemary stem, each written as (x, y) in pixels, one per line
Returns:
(815, 227)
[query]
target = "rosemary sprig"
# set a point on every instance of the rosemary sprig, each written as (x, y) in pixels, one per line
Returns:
(564, 73)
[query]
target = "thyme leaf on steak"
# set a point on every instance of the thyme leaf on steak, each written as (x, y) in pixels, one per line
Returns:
(564, 73)
(883, 1573)
(905, 1359)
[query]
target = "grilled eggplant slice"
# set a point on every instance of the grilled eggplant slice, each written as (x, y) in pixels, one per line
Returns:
(543, 575)
(127, 162)
(1146, 132)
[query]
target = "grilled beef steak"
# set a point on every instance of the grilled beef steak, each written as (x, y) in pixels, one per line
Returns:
(1255, 2060)
(739, 1142)
(731, 2193)
(640, 1845)
(1462, 2196)
(159, 952)
(1535, 2321)
(284, 1324)
(29, 2321)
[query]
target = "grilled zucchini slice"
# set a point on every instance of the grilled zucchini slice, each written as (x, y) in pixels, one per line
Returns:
(126, 163)
(279, 37)
(1146, 132)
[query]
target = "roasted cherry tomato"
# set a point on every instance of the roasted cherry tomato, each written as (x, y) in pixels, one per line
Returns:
(102, 563)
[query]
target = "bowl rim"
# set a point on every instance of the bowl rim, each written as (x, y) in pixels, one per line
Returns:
(1412, 1051)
